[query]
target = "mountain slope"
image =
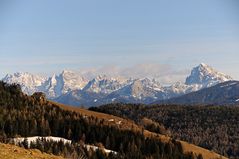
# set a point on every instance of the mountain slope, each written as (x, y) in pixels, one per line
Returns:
(212, 127)
(127, 124)
(29, 82)
(220, 94)
(34, 116)
(104, 90)
(206, 76)
(138, 91)
(15, 152)
(63, 83)
(73, 89)
(53, 86)
(104, 85)
(81, 98)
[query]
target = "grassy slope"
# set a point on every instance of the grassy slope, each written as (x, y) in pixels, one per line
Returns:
(129, 125)
(14, 152)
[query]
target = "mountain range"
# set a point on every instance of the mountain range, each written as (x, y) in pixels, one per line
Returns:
(226, 93)
(74, 89)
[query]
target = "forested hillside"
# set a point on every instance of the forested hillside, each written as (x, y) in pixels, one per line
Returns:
(212, 127)
(22, 115)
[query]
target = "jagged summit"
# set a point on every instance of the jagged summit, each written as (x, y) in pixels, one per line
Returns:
(66, 71)
(203, 65)
(104, 84)
(72, 86)
(24, 77)
(28, 81)
(63, 83)
(53, 86)
(140, 88)
(206, 76)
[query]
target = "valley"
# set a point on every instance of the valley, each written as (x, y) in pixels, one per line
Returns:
(169, 115)
(27, 116)
(212, 127)
(105, 79)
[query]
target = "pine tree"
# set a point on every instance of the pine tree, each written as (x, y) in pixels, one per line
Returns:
(25, 143)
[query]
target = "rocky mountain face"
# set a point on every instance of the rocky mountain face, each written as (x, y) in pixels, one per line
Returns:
(206, 76)
(103, 84)
(63, 83)
(226, 93)
(137, 91)
(29, 83)
(72, 88)
(53, 87)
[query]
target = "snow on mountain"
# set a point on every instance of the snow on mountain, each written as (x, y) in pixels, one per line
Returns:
(53, 87)
(72, 81)
(206, 76)
(34, 139)
(81, 98)
(226, 93)
(202, 76)
(140, 88)
(93, 92)
(29, 83)
(104, 84)
(63, 83)
(136, 91)
(179, 88)
(72, 88)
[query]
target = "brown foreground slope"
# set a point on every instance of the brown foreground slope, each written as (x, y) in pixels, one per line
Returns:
(130, 125)
(14, 152)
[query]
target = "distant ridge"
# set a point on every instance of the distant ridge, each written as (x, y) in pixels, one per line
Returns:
(226, 93)
(72, 88)
(206, 76)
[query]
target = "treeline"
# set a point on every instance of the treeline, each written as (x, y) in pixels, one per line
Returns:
(212, 127)
(22, 115)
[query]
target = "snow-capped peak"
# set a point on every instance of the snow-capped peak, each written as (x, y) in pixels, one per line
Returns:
(101, 77)
(23, 77)
(103, 84)
(28, 82)
(53, 86)
(206, 76)
(140, 89)
(102, 89)
(203, 65)
(63, 83)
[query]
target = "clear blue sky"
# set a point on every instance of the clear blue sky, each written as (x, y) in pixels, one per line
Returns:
(47, 36)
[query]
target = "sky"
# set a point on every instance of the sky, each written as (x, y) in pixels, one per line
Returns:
(160, 38)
